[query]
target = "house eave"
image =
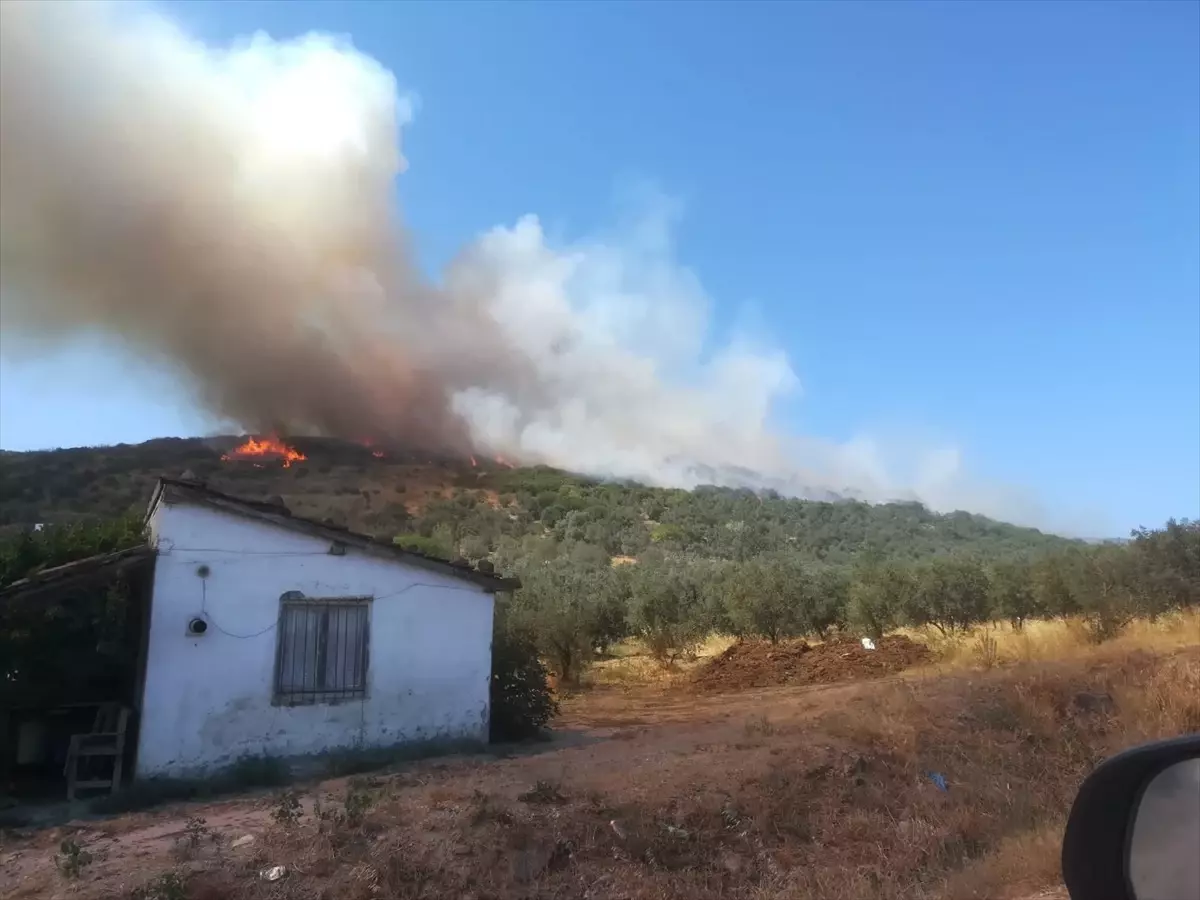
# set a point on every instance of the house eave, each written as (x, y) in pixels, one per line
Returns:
(181, 492)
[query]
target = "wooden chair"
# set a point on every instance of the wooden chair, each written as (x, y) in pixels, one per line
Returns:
(107, 738)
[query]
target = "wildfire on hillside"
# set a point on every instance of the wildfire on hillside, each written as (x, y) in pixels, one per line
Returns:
(265, 447)
(504, 462)
(473, 463)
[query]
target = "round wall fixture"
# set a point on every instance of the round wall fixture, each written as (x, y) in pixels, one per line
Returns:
(197, 627)
(203, 571)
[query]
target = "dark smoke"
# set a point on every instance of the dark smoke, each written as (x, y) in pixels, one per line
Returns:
(229, 213)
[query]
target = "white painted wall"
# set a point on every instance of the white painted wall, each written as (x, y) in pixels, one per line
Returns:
(208, 700)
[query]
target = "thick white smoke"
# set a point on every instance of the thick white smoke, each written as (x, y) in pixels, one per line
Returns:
(231, 212)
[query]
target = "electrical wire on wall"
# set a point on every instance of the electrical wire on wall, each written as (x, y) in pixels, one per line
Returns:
(208, 618)
(242, 637)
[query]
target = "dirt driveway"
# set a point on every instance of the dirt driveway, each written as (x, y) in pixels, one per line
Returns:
(599, 740)
(800, 792)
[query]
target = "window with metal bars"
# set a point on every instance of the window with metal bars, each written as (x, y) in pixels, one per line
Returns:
(322, 651)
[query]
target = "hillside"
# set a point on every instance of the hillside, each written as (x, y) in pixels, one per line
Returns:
(468, 505)
(345, 482)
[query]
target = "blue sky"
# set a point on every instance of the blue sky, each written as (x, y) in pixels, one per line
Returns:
(976, 222)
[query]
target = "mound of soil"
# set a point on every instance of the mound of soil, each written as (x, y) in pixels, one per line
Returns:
(756, 664)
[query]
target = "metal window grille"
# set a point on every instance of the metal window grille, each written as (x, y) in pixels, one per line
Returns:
(322, 653)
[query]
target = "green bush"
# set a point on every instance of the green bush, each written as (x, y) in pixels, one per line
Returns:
(521, 700)
(419, 543)
(29, 551)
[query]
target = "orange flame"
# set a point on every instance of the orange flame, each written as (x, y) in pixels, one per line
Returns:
(267, 446)
(378, 454)
(505, 462)
(473, 463)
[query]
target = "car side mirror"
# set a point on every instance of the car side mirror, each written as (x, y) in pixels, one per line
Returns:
(1134, 829)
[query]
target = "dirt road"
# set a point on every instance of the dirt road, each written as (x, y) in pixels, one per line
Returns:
(819, 792)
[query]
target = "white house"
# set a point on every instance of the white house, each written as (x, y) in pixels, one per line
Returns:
(280, 636)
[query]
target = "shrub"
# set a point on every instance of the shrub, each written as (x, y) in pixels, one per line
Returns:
(288, 810)
(72, 858)
(419, 543)
(54, 545)
(521, 700)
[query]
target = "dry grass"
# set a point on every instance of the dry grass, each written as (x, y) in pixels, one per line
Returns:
(630, 665)
(1019, 865)
(1056, 639)
(825, 792)
(858, 815)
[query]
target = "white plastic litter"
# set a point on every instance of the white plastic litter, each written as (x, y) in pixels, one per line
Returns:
(868, 644)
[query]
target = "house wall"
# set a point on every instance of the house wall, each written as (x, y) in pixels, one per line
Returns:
(207, 700)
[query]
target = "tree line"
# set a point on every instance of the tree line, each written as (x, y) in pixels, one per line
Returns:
(577, 604)
(602, 562)
(628, 519)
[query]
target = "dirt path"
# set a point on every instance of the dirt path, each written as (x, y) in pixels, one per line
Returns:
(601, 738)
(647, 793)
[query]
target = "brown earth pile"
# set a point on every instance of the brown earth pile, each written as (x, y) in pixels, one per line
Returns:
(756, 664)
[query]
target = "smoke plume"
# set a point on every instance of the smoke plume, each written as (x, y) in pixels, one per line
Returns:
(230, 212)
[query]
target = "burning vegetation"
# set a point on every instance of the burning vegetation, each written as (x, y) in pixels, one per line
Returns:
(270, 447)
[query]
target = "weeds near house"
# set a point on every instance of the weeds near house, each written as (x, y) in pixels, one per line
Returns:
(72, 858)
(484, 808)
(356, 803)
(196, 830)
(167, 886)
(288, 811)
(359, 799)
(546, 792)
(196, 833)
